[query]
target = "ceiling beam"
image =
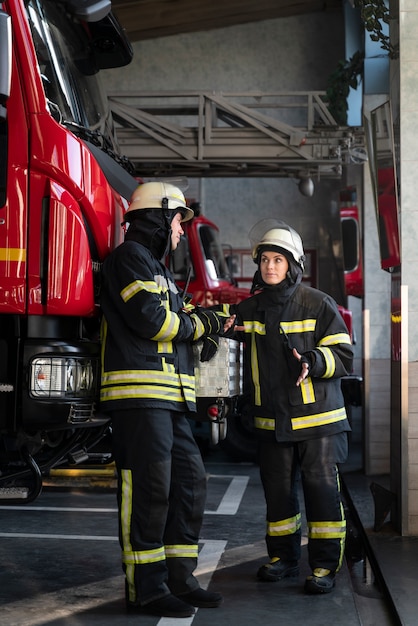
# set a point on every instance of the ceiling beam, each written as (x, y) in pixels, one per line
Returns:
(149, 19)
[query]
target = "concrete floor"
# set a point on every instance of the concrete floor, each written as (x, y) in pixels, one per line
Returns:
(60, 562)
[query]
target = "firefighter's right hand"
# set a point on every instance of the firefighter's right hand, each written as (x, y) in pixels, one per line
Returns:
(206, 322)
(209, 348)
(304, 371)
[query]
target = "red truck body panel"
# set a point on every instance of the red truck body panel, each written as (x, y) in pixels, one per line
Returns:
(55, 178)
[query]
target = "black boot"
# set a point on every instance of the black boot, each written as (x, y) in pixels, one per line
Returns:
(278, 569)
(320, 581)
(168, 606)
(202, 598)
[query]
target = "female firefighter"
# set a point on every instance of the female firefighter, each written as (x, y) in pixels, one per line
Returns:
(298, 348)
(147, 389)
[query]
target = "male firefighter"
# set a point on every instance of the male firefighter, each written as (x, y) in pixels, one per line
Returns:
(298, 349)
(148, 388)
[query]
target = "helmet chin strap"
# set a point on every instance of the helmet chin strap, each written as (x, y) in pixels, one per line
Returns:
(164, 208)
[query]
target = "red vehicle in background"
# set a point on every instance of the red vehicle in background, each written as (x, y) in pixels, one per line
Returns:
(200, 267)
(352, 246)
(63, 192)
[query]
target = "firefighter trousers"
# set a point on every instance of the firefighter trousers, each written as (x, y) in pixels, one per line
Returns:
(314, 462)
(161, 499)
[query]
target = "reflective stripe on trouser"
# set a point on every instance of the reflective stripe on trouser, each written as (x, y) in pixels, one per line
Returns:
(315, 461)
(161, 499)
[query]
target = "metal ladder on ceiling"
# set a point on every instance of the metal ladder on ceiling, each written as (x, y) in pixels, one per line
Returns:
(203, 133)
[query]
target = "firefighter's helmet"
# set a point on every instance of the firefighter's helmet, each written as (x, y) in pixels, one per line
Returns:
(275, 233)
(159, 195)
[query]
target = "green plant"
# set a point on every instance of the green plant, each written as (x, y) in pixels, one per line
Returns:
(373, 14)
(346, 75)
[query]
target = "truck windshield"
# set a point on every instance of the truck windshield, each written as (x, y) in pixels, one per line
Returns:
(214, 254)
(68, 69)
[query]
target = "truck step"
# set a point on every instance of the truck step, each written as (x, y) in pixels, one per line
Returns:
(13, 493)
(5, 387)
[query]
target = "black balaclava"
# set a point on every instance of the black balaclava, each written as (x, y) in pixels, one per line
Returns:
(294, 273)
(152, 229)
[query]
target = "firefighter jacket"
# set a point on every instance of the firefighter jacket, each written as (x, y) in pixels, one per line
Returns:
(147, 358)
(275, 321)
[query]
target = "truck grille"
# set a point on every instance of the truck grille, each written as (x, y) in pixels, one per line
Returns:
(81, 413)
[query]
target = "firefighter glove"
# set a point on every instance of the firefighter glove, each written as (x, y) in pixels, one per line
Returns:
(206, 322)
(209, 348)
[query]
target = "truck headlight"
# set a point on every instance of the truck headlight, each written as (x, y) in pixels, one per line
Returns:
(62, 377)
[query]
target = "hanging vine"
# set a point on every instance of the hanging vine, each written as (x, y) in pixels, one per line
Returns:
(373, 13)
(346, 76)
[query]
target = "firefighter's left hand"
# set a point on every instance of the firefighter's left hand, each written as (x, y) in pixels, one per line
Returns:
(229, 323)
(304, 371)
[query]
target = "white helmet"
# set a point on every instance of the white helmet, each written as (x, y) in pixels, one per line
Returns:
(159, 195)
(272, 232)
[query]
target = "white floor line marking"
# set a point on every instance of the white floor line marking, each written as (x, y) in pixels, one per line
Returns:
(70, 537)
(228, 506)
(64, 509)
(209, 557)
(232, 496)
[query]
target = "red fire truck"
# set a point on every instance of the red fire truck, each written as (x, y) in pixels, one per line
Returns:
(63, 192)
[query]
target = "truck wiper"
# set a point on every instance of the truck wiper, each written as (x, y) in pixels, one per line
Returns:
(98, 139)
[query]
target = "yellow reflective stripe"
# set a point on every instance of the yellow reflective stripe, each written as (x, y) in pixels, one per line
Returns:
(329, 362)
(284, 527)
(299, 326)
(307, 390)
(254, 327)
(125, 521)
(332, 340)
(343, 538)
(326, 530)
(169, 328)
(225, 310)
(154, 392)
(255, 372)
(165, 347)
(144, 556)
(187, 551)
(139, 285)
(141, 377)
(199, 328)
(13, 254)
(130, 580)
(188, 383)
(265, 423)
(126, 508)
(319, 419)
